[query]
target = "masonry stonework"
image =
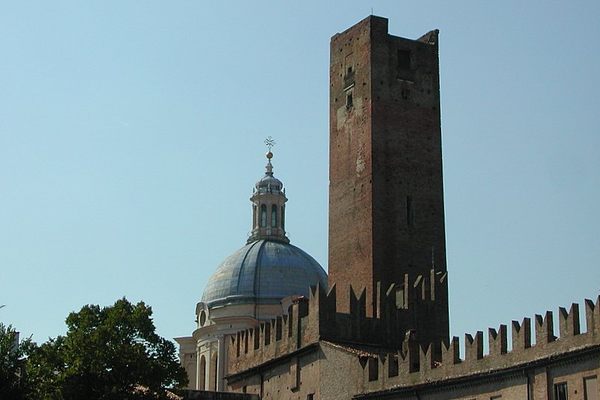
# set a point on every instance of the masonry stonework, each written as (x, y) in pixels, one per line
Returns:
(386, 208)
(380, 328)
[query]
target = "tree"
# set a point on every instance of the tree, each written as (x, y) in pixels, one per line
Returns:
(13, 383)
(107, 353)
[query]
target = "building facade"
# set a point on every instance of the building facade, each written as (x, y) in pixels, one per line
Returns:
(380, 330)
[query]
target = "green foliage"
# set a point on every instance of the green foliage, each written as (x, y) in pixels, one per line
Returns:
(13, 383)
(106, 354)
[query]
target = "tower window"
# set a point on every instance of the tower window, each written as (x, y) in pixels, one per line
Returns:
(282, 217)
(263, 216)
(405, 93)
(403, 59)
(273, 216)
(409, 211)
(349, 100)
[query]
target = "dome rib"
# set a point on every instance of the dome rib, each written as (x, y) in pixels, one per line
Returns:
(256, 288)
(243, 265)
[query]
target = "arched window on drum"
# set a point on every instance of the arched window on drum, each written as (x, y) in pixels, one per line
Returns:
(273, 216)
(263, 216)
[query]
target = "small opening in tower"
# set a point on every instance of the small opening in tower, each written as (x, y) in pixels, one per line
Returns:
(409, 211)
(349, 100)
(349, 72)
(403, 59)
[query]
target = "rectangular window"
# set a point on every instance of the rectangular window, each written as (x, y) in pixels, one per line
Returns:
(349, 64)
(590, 388)
(403, 59)
(349, 100)
(310, 396)
(409, 211)
(560, 391)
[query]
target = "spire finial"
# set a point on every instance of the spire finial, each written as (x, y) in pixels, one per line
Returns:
(270, 142)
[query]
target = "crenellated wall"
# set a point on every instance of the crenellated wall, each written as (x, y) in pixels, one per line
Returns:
(415, 364)
(387, 350)
(400, 308)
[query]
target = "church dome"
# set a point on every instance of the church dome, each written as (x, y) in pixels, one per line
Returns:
(263, 272)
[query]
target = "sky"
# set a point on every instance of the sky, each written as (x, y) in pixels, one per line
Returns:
(131, 135)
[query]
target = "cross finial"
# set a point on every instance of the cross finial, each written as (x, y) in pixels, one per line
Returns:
(270, 142)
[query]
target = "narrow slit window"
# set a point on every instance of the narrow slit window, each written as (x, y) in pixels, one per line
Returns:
(282, 217)
(409, 211)
(349, 102)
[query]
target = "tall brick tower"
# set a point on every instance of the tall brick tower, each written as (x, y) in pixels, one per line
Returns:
(386, 203)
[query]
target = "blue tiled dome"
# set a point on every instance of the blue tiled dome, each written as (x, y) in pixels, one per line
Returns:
(262, 272)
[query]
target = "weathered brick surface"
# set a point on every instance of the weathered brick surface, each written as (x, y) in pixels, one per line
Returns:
(386, 196)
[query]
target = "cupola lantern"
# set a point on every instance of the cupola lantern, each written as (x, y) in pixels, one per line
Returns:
(268, 205)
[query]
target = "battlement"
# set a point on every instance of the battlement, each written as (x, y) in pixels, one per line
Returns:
(415, 363)
(317, 318)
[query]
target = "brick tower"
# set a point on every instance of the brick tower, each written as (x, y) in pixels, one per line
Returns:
(386, 204)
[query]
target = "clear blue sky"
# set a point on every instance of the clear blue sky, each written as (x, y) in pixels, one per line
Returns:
(131, 136)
